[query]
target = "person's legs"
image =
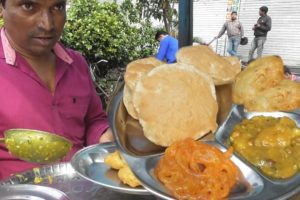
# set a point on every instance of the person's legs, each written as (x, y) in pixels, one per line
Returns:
(252, 49)
(260, 46)
(236, 42)
(230, 45)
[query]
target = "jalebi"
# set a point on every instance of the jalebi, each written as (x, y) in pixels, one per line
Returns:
(193, 170)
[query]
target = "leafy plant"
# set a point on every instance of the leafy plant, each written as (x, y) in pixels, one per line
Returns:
(162, 10)
(108, 31)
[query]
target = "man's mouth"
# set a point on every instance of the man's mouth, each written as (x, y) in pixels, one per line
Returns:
(44, 40)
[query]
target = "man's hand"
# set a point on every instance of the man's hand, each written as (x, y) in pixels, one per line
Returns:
(107, 136)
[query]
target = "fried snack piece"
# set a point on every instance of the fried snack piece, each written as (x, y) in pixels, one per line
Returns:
(134, 71)
(127, 177)
(117, 162)
(174, 102)
(260, 74)
(204, 58)
(285, 96)
(195, 170)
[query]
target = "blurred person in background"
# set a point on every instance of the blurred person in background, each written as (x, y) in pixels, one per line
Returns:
(44, 85)
(168, 47)
(261, 29)
(235, 32)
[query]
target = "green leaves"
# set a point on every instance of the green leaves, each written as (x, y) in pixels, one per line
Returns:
(162, 10)
(108, 31)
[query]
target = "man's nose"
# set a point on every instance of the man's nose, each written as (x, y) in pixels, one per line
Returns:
(47, 20)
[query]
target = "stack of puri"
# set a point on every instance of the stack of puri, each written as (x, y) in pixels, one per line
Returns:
(223, 71)
(173, 102)
(262, 87)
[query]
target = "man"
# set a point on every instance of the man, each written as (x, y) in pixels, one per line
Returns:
(168, 46)
(261, 29)
(43, 85)
(235, 32)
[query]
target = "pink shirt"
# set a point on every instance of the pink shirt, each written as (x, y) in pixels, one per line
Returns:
(74, 111)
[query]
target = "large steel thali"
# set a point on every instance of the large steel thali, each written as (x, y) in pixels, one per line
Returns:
(142, 155)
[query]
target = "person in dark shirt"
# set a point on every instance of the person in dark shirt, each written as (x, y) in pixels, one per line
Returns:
(261, 29)
(168, 47)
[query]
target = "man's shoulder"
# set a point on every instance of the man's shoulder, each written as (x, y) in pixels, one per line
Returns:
(266, 17)
(76, 57)
(173, 38)
(167, 39)
(73, 53)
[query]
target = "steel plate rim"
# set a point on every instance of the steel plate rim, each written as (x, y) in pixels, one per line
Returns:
(54, 193)
(140, 191)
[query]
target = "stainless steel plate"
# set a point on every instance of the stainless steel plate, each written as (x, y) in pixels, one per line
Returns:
(60, 176)
(30, 192)
(89, 163)
(143, 160)
(273, 188)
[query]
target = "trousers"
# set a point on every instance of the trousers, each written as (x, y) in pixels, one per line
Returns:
(257, 43)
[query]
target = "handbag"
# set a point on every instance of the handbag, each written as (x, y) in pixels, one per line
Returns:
(244, 41)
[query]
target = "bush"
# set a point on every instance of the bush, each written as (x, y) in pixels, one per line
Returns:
(104, 31)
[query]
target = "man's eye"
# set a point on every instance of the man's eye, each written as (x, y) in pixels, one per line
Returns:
(27, 6)
(60, 7)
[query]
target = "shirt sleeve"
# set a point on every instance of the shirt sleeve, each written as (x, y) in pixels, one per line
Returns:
(162, 51)
(222, 31)
(96, 119)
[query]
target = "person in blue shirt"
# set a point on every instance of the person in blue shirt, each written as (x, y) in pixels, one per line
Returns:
(168, 46)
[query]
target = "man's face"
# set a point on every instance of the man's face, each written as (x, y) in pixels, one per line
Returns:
(161, 37)
(233, 16)
(261, 13)
(34, 26)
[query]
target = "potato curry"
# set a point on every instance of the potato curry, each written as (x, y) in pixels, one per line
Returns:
(271, 144)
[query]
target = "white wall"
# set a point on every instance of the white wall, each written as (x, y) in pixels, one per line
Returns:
(283, 39)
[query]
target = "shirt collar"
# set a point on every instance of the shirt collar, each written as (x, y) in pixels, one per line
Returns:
(10, 53)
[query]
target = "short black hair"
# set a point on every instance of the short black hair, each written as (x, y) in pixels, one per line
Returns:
(264, 9)
(159, 33)
(234, 12)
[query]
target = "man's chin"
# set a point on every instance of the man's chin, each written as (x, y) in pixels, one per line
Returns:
(41, 52)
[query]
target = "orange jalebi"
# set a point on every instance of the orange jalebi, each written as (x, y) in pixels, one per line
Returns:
(194, 170)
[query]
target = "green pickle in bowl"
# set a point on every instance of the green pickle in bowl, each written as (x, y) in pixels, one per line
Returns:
(270, 144)
(36, 146)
